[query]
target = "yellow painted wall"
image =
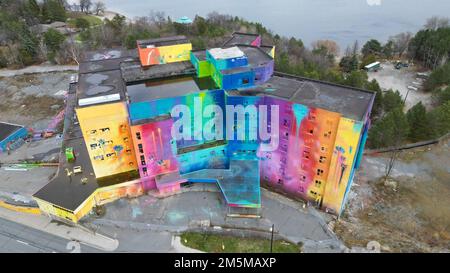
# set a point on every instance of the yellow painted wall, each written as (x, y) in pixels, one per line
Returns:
(165, 54)
(176, 53)
(114, 152)
(99, 197)
(109, 194)
(56, 211)
(344, 153)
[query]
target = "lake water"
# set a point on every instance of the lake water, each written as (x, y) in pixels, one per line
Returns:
(341, 20)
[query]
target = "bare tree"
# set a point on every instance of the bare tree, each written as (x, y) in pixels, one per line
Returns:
(157, 18)
(401, 42)
(436, 22)
(331, 47)
(85, 6)
(99, 7)
(73, 51)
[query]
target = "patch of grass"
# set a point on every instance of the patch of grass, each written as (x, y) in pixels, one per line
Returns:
(229, 244)
(92, 19)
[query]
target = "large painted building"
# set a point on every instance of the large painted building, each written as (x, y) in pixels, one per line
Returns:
(121, 129)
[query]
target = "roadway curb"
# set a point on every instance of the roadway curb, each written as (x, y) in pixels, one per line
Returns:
(71, 233)
(21, 209)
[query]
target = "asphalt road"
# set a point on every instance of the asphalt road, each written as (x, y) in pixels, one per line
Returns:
(17, 238)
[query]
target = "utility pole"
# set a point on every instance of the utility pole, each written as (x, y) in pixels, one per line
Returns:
(271, 238)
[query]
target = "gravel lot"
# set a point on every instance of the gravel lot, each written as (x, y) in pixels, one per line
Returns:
(390, 78)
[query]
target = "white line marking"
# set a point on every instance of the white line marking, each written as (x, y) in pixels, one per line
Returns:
(22, 242)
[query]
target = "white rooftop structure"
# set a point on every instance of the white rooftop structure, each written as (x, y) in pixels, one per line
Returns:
(226, 53)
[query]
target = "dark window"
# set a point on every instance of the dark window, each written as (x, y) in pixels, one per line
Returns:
(245, 81)
(138, 135)
(144, 171)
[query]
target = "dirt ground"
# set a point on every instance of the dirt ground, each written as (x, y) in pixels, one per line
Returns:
(390, 78)
(410, 212)
(32, 100)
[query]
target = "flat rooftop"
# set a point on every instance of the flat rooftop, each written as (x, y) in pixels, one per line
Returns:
(108, 54)
(226, 53)
(351, 102)
(256, 56)
(64, 191)
(6, 129)
(200, 54)
(266, 48)
(158, 89)
(100, 87)
(105, 60)
(240, 184)
(68, 191)
(164, 41)
(241, 38)
(133, 72)
(167, 88)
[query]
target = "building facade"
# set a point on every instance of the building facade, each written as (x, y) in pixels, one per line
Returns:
(125, 108)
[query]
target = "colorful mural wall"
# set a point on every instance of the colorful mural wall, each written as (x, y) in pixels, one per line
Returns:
(301, 163)
(342, 165)
(155, 150)
(151, 55)
(108, 140)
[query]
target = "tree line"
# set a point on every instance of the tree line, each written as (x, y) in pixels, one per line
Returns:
(318, 61)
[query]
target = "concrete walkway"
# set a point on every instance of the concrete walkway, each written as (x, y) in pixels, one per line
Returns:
(45, 224)
(204, 203)
(35, 69)
(180, 248)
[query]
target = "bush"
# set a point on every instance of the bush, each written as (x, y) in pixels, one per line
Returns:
(53, 40)
(82, 23)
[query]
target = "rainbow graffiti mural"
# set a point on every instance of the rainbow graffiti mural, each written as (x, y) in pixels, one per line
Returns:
(127, 127)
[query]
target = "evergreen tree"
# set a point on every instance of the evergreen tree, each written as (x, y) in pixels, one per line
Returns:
(418, 122)
(53, 10)
(372, 47)
(378, 103)
(439, 120)
(392, 100)
(53, 40)
(391, 130)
